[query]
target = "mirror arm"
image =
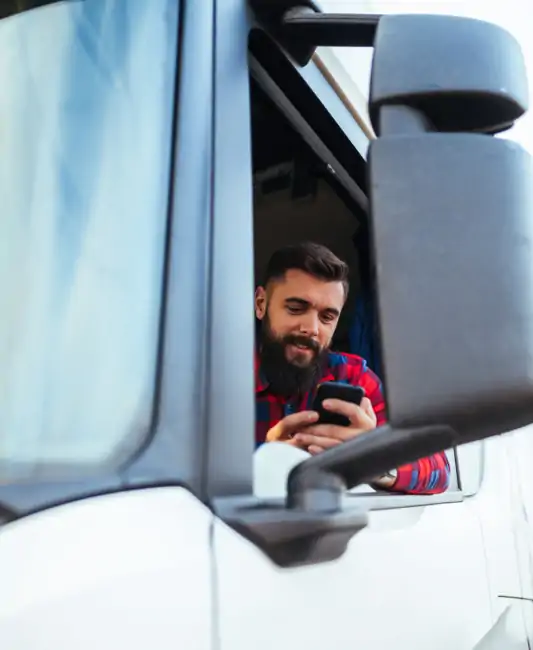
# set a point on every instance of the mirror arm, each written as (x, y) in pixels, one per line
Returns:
(332, 30)
(395, 119)
(313, 483)
(300, 27)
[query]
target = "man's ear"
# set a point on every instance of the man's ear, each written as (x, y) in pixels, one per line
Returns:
(260, 302)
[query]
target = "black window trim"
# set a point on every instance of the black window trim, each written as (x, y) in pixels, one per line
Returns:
(302, 127)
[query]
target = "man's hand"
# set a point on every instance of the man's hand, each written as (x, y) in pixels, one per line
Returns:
(318, 437)
(300, 430)
(286, 430)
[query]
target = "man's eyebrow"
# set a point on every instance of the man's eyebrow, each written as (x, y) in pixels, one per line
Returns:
(298, 301)
(305, 303)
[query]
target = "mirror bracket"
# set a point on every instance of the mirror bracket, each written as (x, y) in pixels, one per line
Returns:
(314, 524)
(395, 119)
(318, 532)
(300, 27)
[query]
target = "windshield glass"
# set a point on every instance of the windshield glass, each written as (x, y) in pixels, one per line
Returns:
(85, 142)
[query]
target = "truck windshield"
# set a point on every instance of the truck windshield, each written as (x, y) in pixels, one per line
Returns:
(86, 106)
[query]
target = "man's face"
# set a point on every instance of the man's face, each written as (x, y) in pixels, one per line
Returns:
(299, 316)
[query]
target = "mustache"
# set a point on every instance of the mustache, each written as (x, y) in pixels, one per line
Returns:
(304, 341)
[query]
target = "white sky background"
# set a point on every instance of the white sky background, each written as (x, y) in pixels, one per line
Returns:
(514, 15)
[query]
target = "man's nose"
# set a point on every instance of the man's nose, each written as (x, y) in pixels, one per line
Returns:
(309, 325)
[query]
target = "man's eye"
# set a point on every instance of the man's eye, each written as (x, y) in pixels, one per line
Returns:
(294, 310)
(327, 318)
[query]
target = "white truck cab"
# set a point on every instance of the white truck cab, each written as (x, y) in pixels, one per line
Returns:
(153, 155)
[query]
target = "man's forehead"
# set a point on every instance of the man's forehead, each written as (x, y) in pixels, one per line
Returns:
(298, 284)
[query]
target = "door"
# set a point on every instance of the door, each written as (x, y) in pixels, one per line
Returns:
(417, 576)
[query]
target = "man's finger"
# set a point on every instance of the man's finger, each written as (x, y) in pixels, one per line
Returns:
(357, 415)
(295, 441)
(290, 424)
(308, 440)
(314, 450)
(296, 421)
(367, 407)
(333, 431)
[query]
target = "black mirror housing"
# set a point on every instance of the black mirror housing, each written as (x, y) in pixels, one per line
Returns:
(453, 235)
(451, 221)
(461, 74)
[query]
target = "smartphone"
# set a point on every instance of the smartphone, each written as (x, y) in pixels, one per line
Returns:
(336, 390)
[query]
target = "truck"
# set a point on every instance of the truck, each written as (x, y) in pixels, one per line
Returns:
(153, 156)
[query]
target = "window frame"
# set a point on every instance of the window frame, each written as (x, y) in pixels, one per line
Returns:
(175, 454)
(230, 443)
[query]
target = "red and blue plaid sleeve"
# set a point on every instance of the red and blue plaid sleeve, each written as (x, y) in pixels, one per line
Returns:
(425, 476)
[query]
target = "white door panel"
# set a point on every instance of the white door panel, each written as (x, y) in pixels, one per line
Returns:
(521, 457)
(499, 511)
(415, 585)
(520, 453)
(507, 633)
(129, 570)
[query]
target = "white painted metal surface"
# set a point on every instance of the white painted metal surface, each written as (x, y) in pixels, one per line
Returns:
(433, 574)
(130, 570)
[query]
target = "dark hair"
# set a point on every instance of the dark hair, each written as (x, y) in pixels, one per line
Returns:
(314, 259)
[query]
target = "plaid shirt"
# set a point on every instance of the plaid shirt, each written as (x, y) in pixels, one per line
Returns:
(425, 476)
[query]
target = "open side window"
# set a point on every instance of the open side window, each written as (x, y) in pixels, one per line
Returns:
(309, 183)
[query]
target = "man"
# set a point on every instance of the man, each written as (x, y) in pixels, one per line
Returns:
(298, 306)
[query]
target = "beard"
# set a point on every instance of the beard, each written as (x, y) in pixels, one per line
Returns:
(289, 378)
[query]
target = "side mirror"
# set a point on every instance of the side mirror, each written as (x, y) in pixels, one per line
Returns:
(451, 219)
